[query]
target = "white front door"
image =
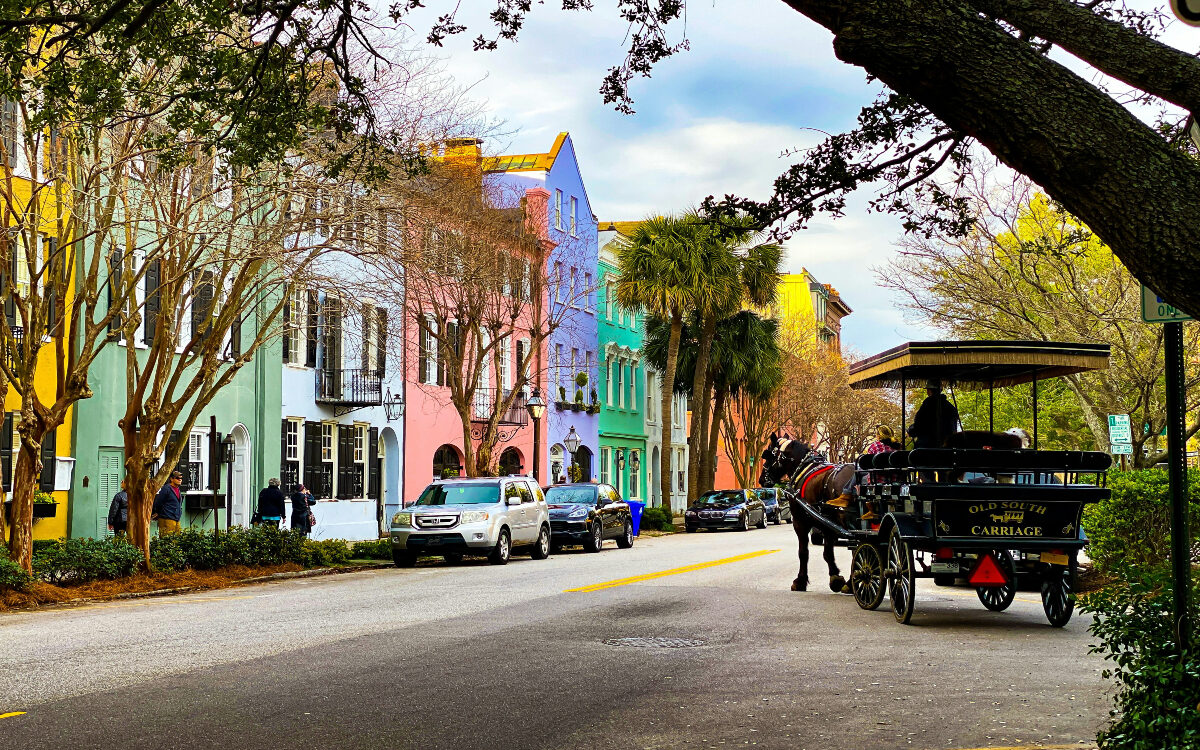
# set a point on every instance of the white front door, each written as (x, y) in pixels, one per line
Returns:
(240, 486)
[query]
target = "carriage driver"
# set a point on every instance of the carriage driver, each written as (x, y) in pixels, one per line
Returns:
(936, 419)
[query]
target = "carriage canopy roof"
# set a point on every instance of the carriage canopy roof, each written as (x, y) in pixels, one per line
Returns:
(976, 364)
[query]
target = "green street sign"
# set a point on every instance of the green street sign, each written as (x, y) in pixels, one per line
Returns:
(1121, 449)
(1157, 310)
(1118, 429)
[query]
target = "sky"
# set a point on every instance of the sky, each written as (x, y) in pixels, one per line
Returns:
(759, 79)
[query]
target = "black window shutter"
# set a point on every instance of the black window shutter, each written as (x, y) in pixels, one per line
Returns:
(235, 337)
(312, 457)
(287, 326)
(314, 310)
(181, 465)
(153, 300)
(373, 464)
(381, 336)
(49, 450)
(346, 466)
(202, 307)
(10, 307)
(283, 459)
(6, 451)
(115, 263)
(214, 461)
(52, 276)
(422, 353)
(367, 313)
(449, 332)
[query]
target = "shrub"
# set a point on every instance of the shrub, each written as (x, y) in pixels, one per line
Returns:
(12, 576)
(1157, 691)
(166, 554)
(1134, 526)
(319, 554)
(657, 519)
(376, 549)
(82, 560)
(43, 498)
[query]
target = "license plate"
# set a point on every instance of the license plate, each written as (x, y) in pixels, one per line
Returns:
(944, 567)
(1054, 558)
(433, 541)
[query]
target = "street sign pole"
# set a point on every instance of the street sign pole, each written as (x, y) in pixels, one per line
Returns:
(1177, 475)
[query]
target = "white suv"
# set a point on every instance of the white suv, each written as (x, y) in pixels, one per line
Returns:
(486, 516)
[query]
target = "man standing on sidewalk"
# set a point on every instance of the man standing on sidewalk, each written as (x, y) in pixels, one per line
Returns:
(168, 505)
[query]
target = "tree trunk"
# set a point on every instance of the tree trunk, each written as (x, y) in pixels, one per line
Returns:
(139, 485)
(697, 434)
(708, 463)
(25, 475)
(1087, 151)
(668, 419)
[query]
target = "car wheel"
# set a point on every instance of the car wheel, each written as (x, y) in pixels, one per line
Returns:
(625, 541)
(745, 525)
(541, 548)
(595, 542)
(502, 550)
(454, 558)
(778, 519)
(404, 558)
(762, 522)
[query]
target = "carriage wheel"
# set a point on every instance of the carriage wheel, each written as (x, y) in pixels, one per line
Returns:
(902, 583)
(1058, 593)
(866, 576)
(998, 598)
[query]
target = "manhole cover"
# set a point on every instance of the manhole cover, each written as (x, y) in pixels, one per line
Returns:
(656, 642)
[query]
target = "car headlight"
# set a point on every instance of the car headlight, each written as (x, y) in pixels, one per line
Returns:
(734, 511)
(473, 516)
(689, 513)
(403, 518)
(578, 513)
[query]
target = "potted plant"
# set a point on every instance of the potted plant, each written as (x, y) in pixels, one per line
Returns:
(44, 505)
(581, 379)
(578, 405)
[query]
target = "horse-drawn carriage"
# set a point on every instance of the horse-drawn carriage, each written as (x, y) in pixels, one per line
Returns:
(979, 510)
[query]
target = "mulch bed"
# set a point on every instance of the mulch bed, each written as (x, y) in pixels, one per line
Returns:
(44, 593)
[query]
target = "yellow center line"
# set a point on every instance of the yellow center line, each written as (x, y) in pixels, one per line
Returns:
(12, 714)
(671, 572)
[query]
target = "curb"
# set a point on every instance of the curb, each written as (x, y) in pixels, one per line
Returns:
(256, 579)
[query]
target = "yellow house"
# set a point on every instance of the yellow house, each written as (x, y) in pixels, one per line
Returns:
(45, 220)
(804, 307)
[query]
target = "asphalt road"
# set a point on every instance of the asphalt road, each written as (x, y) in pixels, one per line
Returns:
(477, 656)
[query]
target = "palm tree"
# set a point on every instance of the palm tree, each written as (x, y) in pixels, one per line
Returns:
(746, 362)
(738, 274)
(662, 271)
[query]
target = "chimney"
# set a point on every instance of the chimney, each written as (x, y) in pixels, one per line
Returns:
(464, 152)
(537, 212)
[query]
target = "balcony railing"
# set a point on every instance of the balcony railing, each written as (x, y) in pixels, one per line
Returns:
(353, 387)
(488, 400)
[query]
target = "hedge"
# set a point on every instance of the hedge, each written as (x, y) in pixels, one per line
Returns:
(1134, 525)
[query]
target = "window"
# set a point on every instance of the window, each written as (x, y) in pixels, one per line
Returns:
(327, 441)
(556, 375)
(633, 476)
(574, 208)
(294, 338)
(523, 360)
(608, 377)
(573, 290)
(506, 380)
(605, 455)
(558, 223)
(427, 354)
(292, 438)
(587, 293)
(556, 463)
(574, 370)
(360, 443)
(369, 340)
(677, 412)
(633, 396)
(650, 415)
(559, 280)
(620, 383)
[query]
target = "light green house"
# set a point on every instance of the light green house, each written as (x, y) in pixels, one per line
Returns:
(623, 459)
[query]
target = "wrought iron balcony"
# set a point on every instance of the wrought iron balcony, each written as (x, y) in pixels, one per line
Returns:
(488, 400)
(352, 387)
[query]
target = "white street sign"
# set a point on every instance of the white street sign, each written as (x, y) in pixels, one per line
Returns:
(1157, 310)
(1121, 449)
(1118, 429)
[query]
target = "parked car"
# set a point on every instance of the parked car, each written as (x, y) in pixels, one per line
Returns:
(776, 502)
(587, 514)
(726, 509)
(487, 516)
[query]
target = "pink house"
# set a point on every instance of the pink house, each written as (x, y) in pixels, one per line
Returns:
(434, 434)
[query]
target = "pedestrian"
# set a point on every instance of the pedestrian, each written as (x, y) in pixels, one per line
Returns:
(118, 512)
(168, 505)
(303, 519)
(271, 504)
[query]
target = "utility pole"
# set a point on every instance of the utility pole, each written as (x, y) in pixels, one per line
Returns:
(1181, 562)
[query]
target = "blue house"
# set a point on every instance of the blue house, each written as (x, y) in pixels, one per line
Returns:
(572, 359)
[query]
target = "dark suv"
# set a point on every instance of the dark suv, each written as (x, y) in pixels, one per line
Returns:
(588, 514)
(776, 503)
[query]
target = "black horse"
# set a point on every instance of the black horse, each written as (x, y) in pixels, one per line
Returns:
(808, 478)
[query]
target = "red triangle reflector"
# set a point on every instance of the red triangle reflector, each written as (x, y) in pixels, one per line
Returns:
(988, 573)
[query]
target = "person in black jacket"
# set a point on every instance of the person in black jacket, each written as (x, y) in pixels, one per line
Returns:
(302, 517)
(118, 512)
(271, 504)
(936, 420)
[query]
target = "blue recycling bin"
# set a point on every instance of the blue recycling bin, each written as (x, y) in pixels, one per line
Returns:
(635, 512)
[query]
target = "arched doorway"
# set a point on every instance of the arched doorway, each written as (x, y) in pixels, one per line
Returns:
(391, 473)
(239, 491)
(583, 459)
(557, 472)
(510, 462)
(447, 462)
(656, 477)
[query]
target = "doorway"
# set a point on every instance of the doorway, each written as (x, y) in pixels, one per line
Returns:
(510, 462)
(583, 459)
(239, 490)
